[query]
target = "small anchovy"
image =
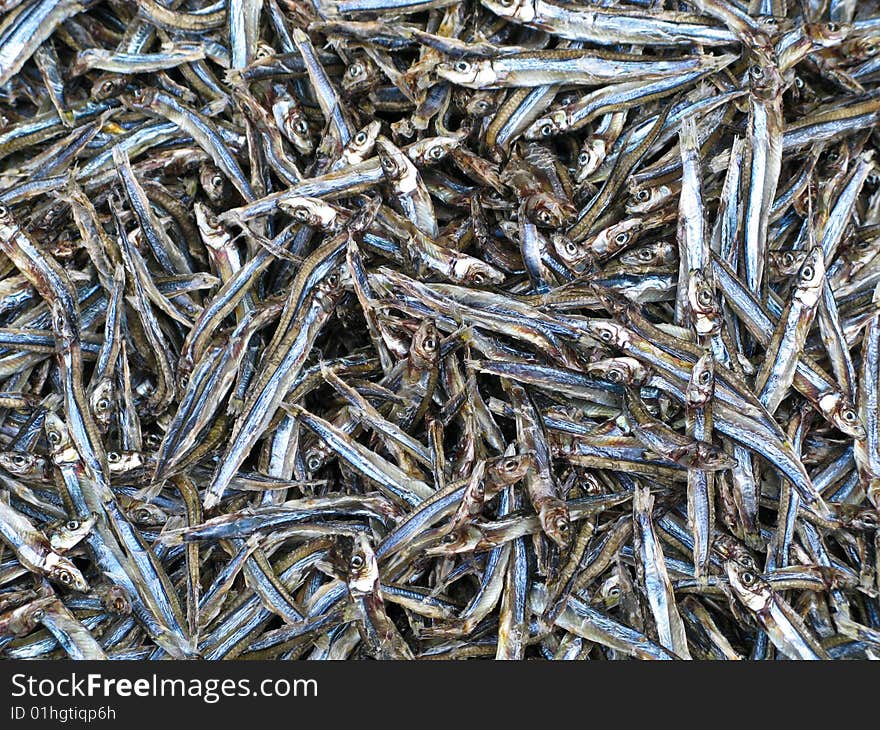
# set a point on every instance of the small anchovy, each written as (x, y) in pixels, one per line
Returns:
(35, 552)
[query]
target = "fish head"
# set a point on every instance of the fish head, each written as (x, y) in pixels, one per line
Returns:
(474, 271)
(607, 332)
(101, 401)
(811, 276)
(68, 534)
(294, 125)
(363, 142)
(432, 150)
(751, 590)
(359, 76)
(590, 157)
(828, 35)
(480, 103)
(58, 436)
(353, 557)
(462, 539)
(556, 522)
(522, 10)
(701, 386)
(216, 187)
(23, 620)
(620, 370)
(396, 166)
(548, 126)
(765, 81)
(655, 254)
(574, 254)
(116, 600)
(312, 212)
(63, 572)
(646, 199)
(64, 323)
(703, 304)
(108, 85)
(425, 348)
(548, 211)
(783, 264)
(709, 457)
(22, 463)
(144, 513)
(616, 237)
(842, 414)
(472, 74)
(510, 468)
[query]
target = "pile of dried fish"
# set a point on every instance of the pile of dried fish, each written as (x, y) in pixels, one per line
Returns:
(427, 329)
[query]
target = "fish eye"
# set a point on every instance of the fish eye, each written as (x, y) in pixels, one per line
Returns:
(449, 538)
(38, 614)
(870, 49)
(757, 72)
(511, 464)
(54, 437)
(462, 67)
(355, 70)
(849, 416)
(477, 277)
(72, 525)
(645, 254)
(545, 217)
(833, 27)
(622, 238)
(643, 195)
(583, 159)
(360, 138)
(614, 591)
(142, 514)
(788, 258)
(19, 460)
(65, 577)
(356, 562)
(333, 280)
(103, 404)
(561, 524)
(482, 105)
(704, 297)
(313, 462)
(506, 3)
(799, 82)
(4, 211)
(705, 377)
(301, 214)
(748, 578)
(302, 126)
(430, 344)
(571, 248)
(615, 376)
(606, 335)
(113, 457)
(747, 561)
(217, 181)
(546, 130)
(436, 152)
(807, 272)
